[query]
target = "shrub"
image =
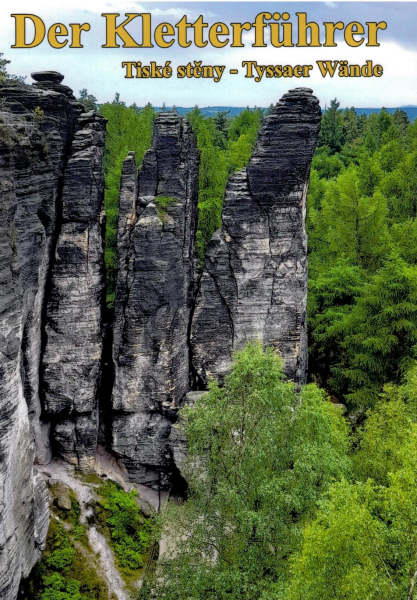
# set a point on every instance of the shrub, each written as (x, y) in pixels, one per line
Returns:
(130, 534)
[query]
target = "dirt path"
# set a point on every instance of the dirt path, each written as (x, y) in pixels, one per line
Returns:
(114, 580)
(106, 466)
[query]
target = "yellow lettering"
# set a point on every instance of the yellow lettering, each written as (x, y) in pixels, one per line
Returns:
(112, 31)
(56, 31)
(20, 31)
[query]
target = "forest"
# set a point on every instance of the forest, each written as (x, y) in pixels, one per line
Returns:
(312, 493)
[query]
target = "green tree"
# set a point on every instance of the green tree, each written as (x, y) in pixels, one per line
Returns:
(351, 223)
(332, 294)
(326, 164)
(221, 122)
(361, 212)
(331, 133)
(246, 123)
(88, 100)
(260, 455)
(379, 130)
(380, 333)
(363, 542)
(268, 111)
(400, 187)
(225, 146)
(351, 125)
(243, 133)
(5, 77)
(213, 175)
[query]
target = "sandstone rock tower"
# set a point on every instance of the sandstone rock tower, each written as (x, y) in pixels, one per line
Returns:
(254, 284)
(171, 335)
(51, 196)
(156, 233)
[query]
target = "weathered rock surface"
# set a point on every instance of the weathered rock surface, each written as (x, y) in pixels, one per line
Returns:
(73, 339)
(154, 298)
(177, 438)
(37, 126)
(254, 284)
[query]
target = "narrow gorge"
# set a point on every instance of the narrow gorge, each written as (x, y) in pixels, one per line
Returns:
(176, 322)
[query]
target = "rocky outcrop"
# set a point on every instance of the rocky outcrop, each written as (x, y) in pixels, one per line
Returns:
(254, 284)
(37, 128)
(73, 328)
(156, 233)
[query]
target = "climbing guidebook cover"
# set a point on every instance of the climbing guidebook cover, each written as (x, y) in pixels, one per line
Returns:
(208, 300)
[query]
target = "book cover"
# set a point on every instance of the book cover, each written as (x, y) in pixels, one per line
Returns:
(208, 301)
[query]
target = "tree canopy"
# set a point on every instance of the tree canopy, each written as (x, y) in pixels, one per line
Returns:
(361, 221)
(260, 456)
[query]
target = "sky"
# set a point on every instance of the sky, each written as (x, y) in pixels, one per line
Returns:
(99, 69)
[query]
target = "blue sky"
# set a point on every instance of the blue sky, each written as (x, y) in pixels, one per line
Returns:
(99, 70)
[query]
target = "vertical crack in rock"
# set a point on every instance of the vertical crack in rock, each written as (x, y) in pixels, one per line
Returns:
(36, 128)
(254, 283)
(153, 298)
(73, 328)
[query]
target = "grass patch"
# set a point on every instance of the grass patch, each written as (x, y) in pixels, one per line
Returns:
(162, 203)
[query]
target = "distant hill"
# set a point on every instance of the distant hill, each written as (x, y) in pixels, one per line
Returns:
(209, 111)
(410, 110)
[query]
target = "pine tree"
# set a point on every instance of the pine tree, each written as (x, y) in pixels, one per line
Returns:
(331, 133)
(401, 121)
(88, 100)
(381, 331)
(5, 77)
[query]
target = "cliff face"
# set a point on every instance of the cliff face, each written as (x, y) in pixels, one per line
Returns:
(37, 129)
(254, 284)
(156, 233)
(73, 330)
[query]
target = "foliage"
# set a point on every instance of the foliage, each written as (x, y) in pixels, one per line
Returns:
(225, 146)
(332, 293)
(88, 100)
(362, 544)
(130, 532)
(128, 129)
(5, 77)
(361, 221)
(38, 114)
(260, 455)
(162, 203)
(283, 503)
(331, 134)
(63, 573)
(381, 331)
